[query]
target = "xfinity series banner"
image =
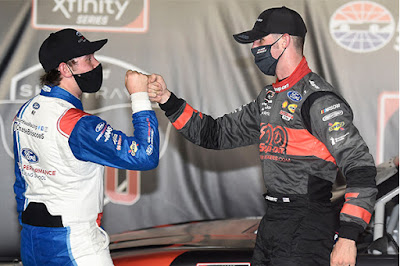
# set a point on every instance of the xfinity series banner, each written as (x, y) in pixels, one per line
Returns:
(354, 45)
(103, 15)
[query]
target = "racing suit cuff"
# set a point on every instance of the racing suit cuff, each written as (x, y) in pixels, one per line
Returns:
(350, 230)
(140, 102)
(172, 105)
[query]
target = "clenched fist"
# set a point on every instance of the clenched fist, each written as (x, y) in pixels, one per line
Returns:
(157, 89)
(135, 81)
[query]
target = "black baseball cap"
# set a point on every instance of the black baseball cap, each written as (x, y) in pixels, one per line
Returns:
(65, 45)
(274, 20)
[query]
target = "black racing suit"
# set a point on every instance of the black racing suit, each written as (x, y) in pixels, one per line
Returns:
(305, 135)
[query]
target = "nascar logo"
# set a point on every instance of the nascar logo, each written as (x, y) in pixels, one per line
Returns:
(362, 26)
(330, 108)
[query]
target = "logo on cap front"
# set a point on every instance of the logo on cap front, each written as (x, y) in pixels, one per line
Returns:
(81, 37)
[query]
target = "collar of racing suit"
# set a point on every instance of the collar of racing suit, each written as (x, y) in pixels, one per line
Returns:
(60, 93)
(301, 70)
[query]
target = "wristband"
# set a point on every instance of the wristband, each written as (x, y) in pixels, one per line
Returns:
(140, 102)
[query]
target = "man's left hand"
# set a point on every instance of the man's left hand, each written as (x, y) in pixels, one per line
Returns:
(344, 253)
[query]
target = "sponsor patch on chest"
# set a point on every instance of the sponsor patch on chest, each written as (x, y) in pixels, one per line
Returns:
(294, 96)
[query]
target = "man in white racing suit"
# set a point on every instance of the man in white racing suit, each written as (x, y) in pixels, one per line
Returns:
(60, 152)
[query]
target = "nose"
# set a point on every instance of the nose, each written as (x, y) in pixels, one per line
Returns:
(95, 63)
(255, 44)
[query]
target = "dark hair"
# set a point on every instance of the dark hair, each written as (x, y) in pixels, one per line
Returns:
(298, 43)
(53, 77)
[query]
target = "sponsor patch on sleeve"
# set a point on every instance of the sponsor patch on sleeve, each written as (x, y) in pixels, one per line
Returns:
(330, 108)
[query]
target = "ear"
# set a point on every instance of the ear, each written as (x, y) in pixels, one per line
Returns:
(286, 40)
(64, 70)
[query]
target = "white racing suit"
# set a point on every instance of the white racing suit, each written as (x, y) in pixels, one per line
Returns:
(60, 153)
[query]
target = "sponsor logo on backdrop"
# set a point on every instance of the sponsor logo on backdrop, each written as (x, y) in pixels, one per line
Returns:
(121, 186)
(362, 26)
(91, 15)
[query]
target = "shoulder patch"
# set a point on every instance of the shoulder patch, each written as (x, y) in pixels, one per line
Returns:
(68, 120)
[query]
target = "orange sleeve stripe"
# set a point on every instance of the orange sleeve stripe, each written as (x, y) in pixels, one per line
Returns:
(356, 212)
(68, 120)
(184, 117)
(353, 195)
(302, 143)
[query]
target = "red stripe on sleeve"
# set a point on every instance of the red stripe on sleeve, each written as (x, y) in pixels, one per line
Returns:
(302, 143)
(184, 117)
(68, 120)
(353, 195)
(356, 212)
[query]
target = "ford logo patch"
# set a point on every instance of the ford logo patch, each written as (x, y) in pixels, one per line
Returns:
(294, 96)
(100, 126)
(30, 155)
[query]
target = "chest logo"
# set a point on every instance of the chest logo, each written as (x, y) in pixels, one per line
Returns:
(294, 96)
(36, 105)
(285, 115)
(270, 95)
(273, 139)
(292, 108)
(267, 104)
(30, 156)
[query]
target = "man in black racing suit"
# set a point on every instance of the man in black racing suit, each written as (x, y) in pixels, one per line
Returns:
(305, 135)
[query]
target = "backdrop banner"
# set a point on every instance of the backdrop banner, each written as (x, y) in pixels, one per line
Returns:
(354, 45)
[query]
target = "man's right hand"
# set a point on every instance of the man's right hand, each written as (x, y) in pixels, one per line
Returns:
(157, 89)
(135, 81)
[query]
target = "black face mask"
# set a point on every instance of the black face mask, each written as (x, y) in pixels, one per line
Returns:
(90, 82)
(264, 60)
